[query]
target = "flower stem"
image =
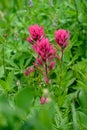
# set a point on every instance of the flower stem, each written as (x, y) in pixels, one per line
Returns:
(46, 69)
(62, 57)
(46, 74)
(61, 67)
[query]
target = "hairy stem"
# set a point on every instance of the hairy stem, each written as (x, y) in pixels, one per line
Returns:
(46, 69)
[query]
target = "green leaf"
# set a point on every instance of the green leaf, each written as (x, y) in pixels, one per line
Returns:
(70, 82)
(23, 98)
(10, 78)
(74, 116)
(83, 99)
(8, 83)
(4, 85)
(82, 119)
(1, 71)
(82, 85)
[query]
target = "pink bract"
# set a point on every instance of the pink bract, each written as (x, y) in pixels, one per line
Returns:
(28, 71)
(29, 40)
(46, 80)
(36, 33)
(52, 65)
(47, 100)
(62, 37)
(45, 50)
(39, 61)
(42, 100)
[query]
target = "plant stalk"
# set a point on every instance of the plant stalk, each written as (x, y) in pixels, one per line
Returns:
(61, 66)
(46, 69)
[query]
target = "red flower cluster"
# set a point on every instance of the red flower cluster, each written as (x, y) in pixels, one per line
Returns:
(46, 53)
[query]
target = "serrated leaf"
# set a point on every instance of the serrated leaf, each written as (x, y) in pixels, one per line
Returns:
(10, 78)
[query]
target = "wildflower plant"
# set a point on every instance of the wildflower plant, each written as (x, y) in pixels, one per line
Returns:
(46, 53)
(62, 39)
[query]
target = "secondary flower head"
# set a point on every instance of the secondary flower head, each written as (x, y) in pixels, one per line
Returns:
(28, 71)
(36, 33)
(44, 100)
(45, 50)
(62, 37)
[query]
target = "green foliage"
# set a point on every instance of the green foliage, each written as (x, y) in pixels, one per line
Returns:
(24, 98)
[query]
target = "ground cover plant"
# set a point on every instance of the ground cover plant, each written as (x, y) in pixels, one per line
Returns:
(43, 65)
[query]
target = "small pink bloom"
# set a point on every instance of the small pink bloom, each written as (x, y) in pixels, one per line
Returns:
(52, 65)
(46, 80)
(62, 37)
(46, 100)
(31, 69)
(35, 64)
(39, 61)
(42, 100)
(28, 71)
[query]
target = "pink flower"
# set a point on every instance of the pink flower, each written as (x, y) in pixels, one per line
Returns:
(36, 33)
(39, 61)
(35, 64)
(44, 100)
(47, 100)
(46, 80)
(45, 50)
(52, 65)
(28, 71)
(62, 38)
